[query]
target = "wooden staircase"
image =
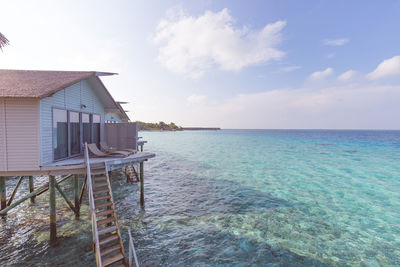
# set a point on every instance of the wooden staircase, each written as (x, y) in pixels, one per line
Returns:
(107, 241)
(131, 173)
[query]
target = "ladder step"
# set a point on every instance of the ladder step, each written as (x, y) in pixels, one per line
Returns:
(105, 212)
(96, 185)
(99, 178)
(98, 171)
(108, 239)
(107, 230)
(113, 259)
(102, 205)
(100, 191)
(109, 250)
(102, 197)
(104, 221)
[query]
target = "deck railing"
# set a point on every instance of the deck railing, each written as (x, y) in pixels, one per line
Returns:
(132, 251)
(92, 209)
(113, 207)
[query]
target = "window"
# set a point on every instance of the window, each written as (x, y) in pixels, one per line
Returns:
(87, 137)
(96, 129)
(71, 129)
(60, 133)
(75, 132)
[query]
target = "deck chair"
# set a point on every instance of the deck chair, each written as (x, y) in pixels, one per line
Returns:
(98, 153)
(106, 148)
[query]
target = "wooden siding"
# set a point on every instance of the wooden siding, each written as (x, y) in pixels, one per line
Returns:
(20, 134)
(71, 98)
(113, 117)
(3, 147)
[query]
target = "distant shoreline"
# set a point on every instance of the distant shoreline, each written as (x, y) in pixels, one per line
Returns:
(201, 128)
(182, 129)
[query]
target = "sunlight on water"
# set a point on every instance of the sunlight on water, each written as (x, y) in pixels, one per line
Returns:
(299, 198)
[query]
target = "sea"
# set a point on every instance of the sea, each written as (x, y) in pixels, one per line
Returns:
(236, 198)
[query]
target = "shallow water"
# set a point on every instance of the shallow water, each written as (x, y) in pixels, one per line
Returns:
(239, 197)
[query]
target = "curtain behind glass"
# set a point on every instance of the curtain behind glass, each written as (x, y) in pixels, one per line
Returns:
(87, 137)
(75, 132)
(60, 134)
(96, 129)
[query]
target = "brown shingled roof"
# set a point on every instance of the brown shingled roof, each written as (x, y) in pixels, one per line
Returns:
(38, 83)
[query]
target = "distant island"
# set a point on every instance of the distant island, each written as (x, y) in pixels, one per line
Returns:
(158, 126)
(162, 126)
(201, 128)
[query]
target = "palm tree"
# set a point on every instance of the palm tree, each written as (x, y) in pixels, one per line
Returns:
(3, 41)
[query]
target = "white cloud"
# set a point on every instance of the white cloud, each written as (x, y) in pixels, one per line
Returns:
(290, 68)
(341, 107)
(331, 55)
(346, 76)
(191, 45)
(318, 75)
(388, 67)
(335, 42)
(196, 99)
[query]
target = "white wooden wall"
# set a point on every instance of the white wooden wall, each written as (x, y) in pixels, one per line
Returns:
(19, 134)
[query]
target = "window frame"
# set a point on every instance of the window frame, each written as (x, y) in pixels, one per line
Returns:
(52, 133)
(69, 155)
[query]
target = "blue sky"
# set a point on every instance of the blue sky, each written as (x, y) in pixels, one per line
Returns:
(233, 64)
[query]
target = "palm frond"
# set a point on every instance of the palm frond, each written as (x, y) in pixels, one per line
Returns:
(3, 41)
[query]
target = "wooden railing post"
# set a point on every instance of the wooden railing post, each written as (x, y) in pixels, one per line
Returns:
(76, 196)
(53, 227)
(10, 199)
(3, 200)
(31, 188)
(96, 244)
(141, 185)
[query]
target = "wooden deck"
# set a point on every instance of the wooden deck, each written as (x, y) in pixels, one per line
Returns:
(76, 165)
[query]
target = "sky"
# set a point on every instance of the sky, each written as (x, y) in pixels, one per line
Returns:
(229, 64)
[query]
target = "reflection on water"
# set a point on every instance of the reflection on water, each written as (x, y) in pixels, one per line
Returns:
(237, 198)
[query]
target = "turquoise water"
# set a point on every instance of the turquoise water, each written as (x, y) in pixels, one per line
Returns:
(253, 197)
(238, 198)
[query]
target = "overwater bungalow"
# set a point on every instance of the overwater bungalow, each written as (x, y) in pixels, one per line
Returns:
(66, 124)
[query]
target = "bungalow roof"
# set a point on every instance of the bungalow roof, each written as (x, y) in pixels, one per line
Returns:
(39, 83)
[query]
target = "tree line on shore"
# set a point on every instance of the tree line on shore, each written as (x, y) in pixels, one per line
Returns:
(158, 126)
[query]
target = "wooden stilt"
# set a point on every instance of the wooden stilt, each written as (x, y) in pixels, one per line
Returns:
(14, 191)
(33, 194)
(135, 173)
(126, 174)
(31, 188)
(3, 200)
(82, 191)
(141, 185)
(19, 201)
(47, 187)
(76, 196)
(53, 227)
(65, 198)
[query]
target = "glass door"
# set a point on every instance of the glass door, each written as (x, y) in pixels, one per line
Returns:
(86, 129)
(74, 133)
(96, 129)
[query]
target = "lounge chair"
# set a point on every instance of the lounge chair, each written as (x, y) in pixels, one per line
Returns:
(108, 149)
(98, 153)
